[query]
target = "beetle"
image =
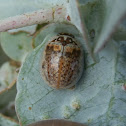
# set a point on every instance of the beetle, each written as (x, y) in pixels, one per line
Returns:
(62, 61)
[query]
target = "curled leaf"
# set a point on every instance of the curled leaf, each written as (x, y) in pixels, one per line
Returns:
(115, 11)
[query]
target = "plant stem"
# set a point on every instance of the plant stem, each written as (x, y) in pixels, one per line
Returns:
(37, 17)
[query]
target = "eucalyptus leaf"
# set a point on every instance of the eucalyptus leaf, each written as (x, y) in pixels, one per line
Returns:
(8, 74)
(93, 15)
(7, 97)
(115, 10)
(3, 56)
(96, 94)
(120, 34)
(76, 18)
(98, 99)
(16, 46)
(30, 29)
(52, 30)
(5, 121)
(121, 63)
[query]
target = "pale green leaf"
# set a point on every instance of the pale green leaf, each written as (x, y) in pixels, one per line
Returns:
(96, 94)
(5, 121)
(93, 15)
(3, 56)
(120, 34)
(121, 63)
(16, 46)
(115, 11)
(76, 18)
(53, 29)
(7, 97)
(98, 99)
(7, 75)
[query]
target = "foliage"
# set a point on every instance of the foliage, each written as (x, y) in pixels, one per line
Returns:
(99, 98)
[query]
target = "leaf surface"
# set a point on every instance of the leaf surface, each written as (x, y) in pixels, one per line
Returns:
(115, 11)
(96, 93)
(17, 45)
(5, 121)
(98, 98)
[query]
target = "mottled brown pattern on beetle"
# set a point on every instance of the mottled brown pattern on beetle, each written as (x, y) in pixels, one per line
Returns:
(49, 49)
(52, 52)
(68, 71)
(63, 74)
(72, 53)
(61, 64)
